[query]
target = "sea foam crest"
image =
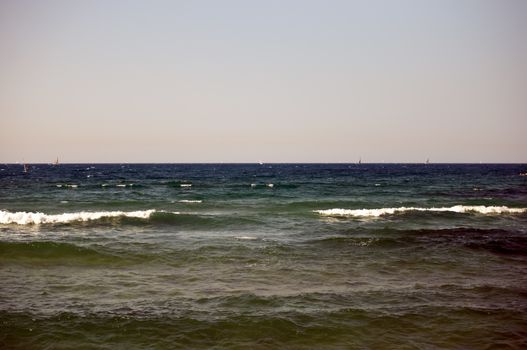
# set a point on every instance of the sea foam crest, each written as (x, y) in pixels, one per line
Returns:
(28, 218)
(390, 211)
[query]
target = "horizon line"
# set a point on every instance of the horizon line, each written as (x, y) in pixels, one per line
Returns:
(263, 163)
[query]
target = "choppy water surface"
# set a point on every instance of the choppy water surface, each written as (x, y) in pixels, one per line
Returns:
(300, 256)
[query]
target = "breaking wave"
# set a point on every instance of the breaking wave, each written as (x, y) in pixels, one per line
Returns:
(29, 218)
(148, 217)
(481, 209)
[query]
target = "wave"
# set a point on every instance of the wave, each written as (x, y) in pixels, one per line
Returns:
(51, 252)
(190, 201)
(497, 241)
(480, 209)
(37, 218)
(141, 217)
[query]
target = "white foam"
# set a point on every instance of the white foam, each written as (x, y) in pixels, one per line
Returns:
(68, 185)
(246, 237)
(190, 201)
(481, 209)
(270, 185)
(185, 185)
(28, 218)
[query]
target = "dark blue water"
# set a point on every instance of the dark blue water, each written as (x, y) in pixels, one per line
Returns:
(164, 256)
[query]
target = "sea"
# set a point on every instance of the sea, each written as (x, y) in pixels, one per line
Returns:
(263, 256)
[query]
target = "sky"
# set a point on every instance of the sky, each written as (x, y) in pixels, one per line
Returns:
(270, 81)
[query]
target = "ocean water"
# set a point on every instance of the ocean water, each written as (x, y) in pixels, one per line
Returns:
(271, 256)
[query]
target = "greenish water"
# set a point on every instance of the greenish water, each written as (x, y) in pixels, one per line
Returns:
(333, 256)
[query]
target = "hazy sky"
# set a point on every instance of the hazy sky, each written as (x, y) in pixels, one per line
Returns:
(277, 81)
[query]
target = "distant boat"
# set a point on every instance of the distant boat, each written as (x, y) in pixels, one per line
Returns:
(360, 160)
(26, 168)
(427, 161)
(56, 161)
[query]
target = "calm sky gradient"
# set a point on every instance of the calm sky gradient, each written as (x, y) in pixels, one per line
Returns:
(277, 81)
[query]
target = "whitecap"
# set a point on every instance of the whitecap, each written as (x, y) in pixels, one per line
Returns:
(190, 201)
(27, 218)
(185, 185)
(481, 209)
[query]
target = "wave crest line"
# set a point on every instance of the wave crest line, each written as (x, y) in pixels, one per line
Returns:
(481, 209)
(37, 218)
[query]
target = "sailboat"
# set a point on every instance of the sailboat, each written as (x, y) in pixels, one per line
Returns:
(360, 160)
(56, 161)
(427, 161)
(26, 168)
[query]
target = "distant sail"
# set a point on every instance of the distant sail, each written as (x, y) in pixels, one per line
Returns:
(56, 161)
